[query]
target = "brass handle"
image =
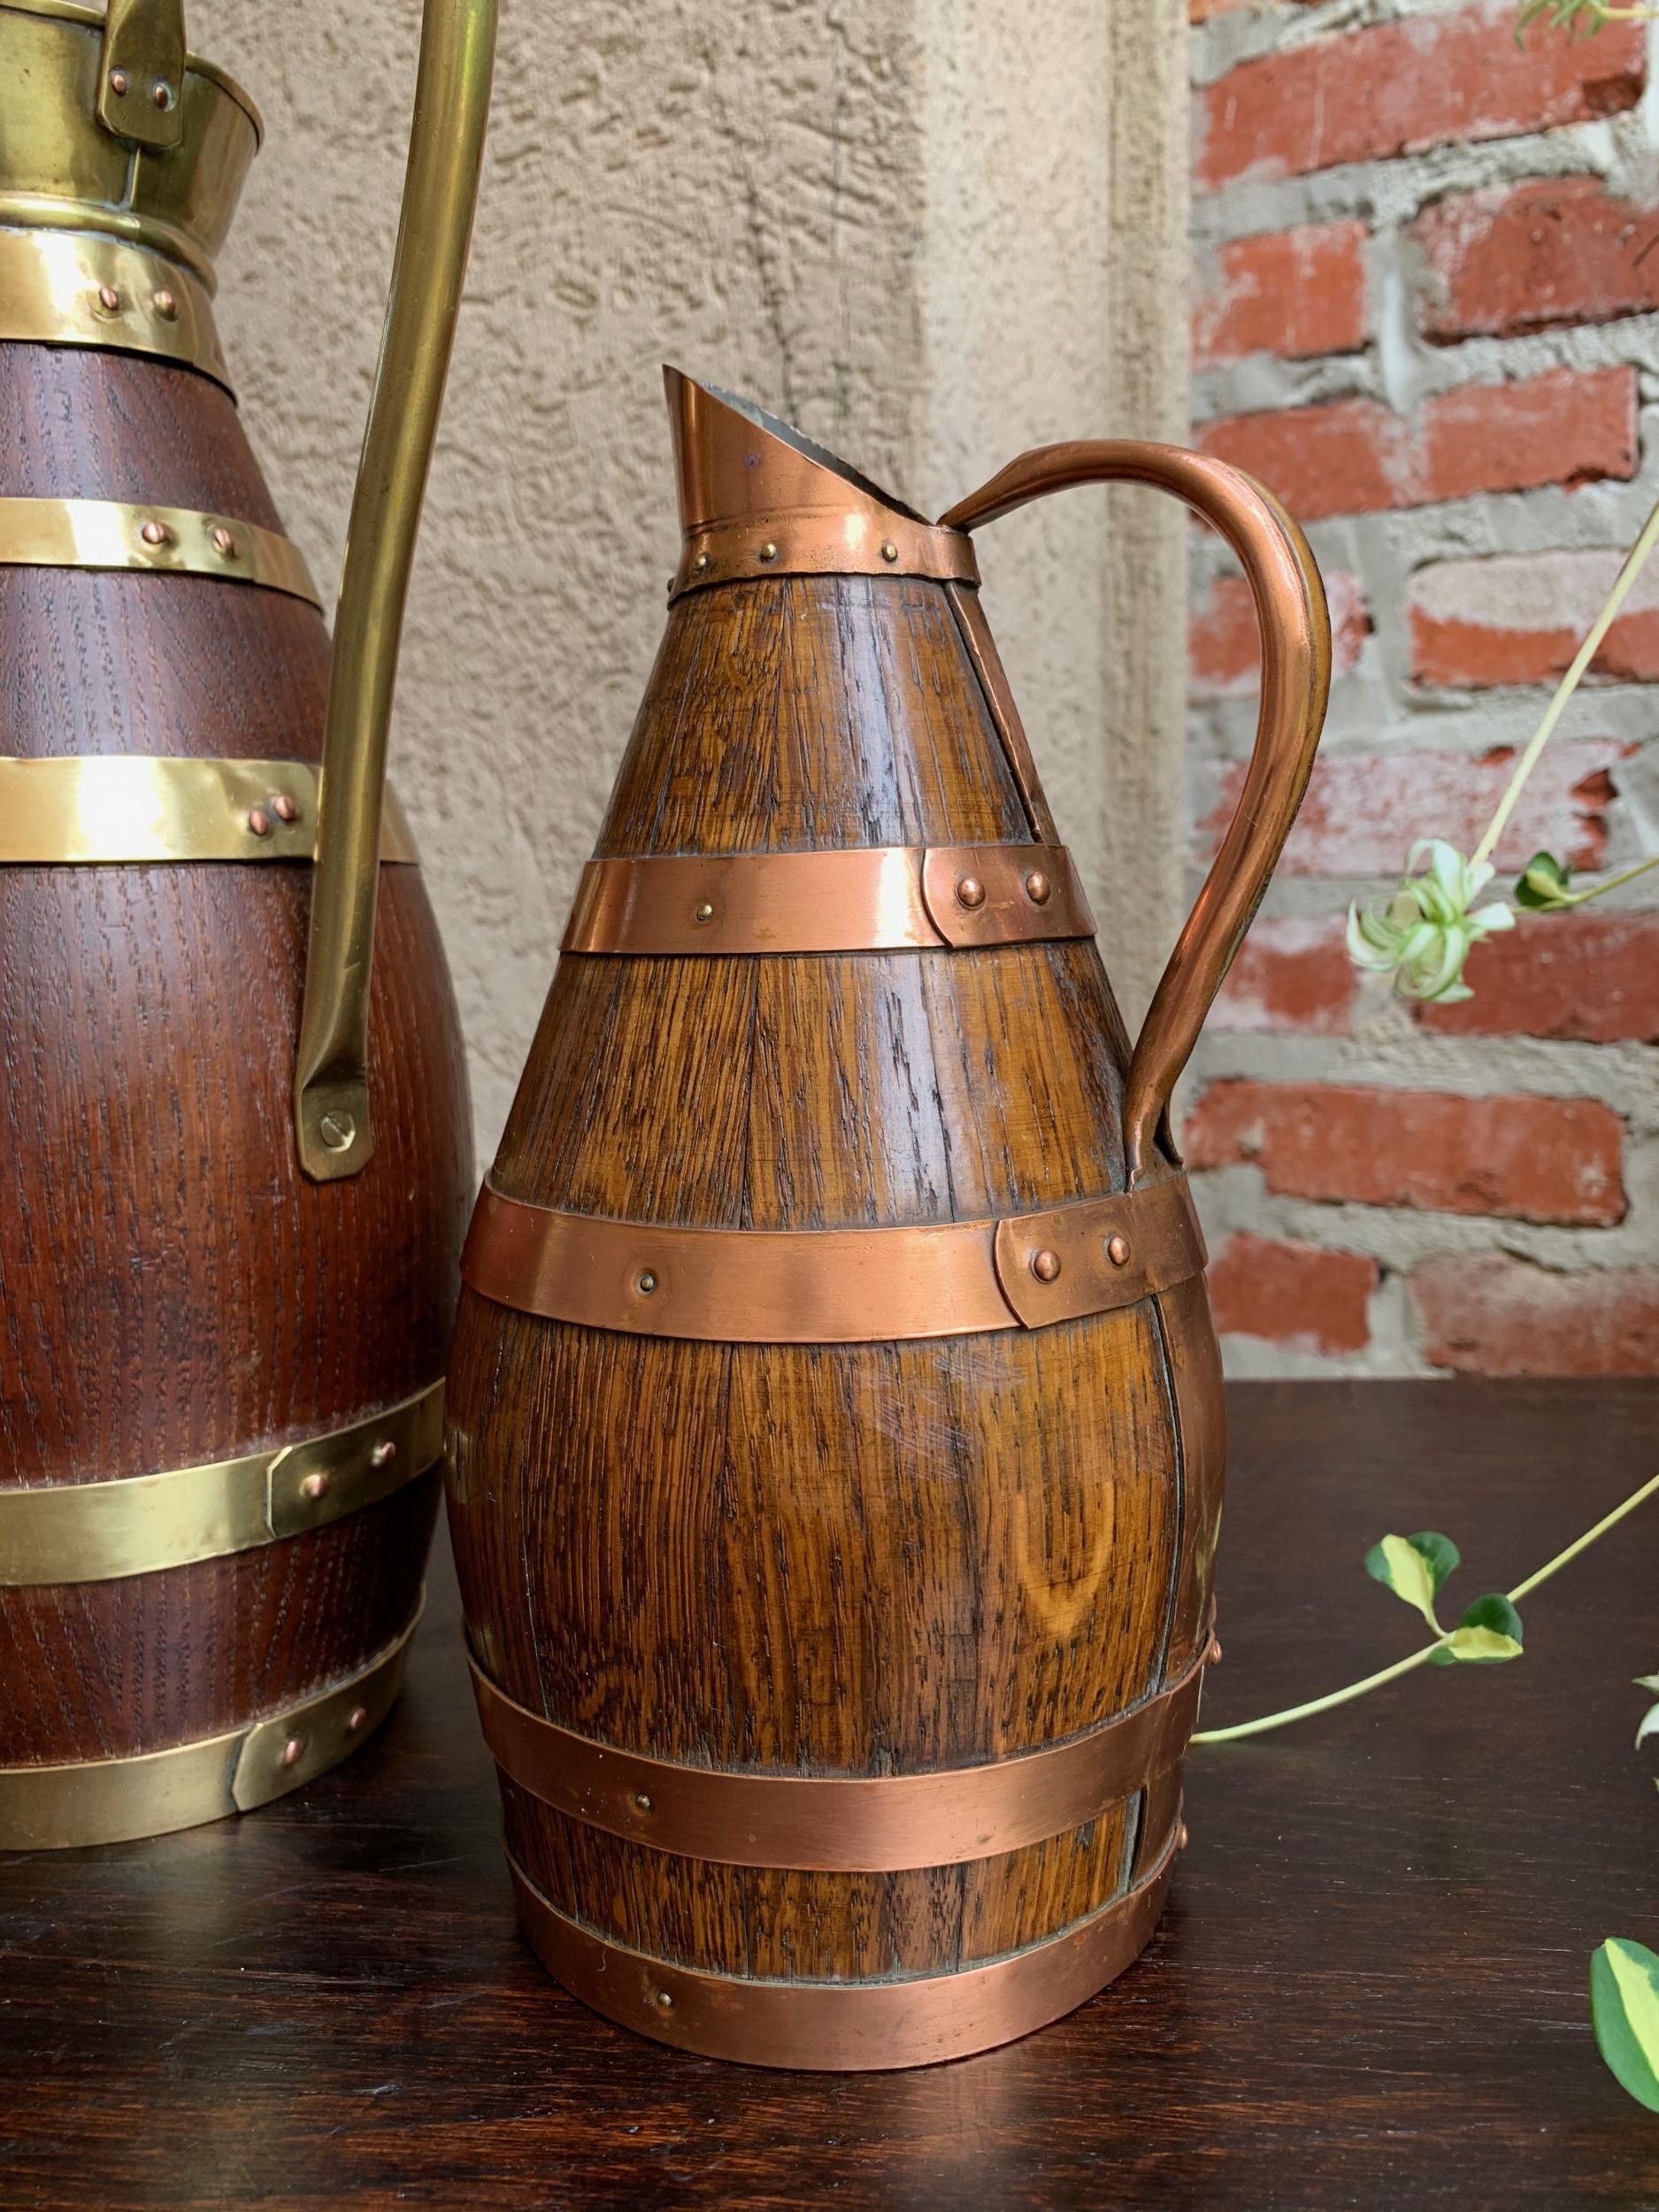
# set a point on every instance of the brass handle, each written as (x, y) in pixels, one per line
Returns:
(446, 147)
(1296, 627)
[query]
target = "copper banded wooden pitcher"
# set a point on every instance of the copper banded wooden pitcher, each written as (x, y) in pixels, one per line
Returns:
(834, 1422)
(234, 1169)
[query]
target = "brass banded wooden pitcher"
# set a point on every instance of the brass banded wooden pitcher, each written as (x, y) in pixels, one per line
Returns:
(233, 1175)
(834, 1422)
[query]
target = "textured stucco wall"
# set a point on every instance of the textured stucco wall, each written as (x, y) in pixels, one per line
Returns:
(891, 221)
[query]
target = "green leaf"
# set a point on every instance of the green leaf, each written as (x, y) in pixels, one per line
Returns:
(1625, 2006)
(1545, 884)
(1489, 1632)
(1415, 1568)
(1649, 1726)
(1647, 1682)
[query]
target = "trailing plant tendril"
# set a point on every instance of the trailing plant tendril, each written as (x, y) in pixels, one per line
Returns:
(1442, 1644)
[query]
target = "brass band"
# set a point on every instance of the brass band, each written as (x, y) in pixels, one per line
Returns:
(115, 1801)
(115, 533)
(97, 1532)
(94, 809)
(60, 287)
(833, 1285)
(831, 542)
(870, 899)
(845, 1823)
(846, 2026)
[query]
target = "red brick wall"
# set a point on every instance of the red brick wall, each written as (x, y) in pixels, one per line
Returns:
(1426, 313)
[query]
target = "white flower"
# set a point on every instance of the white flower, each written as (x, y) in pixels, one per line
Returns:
(1423, 935)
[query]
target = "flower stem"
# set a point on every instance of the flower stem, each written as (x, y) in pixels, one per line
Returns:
(1582, 898)
(1421, 1658)
(1569, 683)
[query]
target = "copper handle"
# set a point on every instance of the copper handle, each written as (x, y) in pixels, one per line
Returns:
(446, 149)
(1296, 628)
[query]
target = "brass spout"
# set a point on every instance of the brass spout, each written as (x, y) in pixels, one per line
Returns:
(446, 146)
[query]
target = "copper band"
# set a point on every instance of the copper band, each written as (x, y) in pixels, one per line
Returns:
(113, 533)
(114, 1801)
(840, 1824)
(845, 2026)
(880, 898)
(835, 541)
(55, 287)
(100, 1531)
(109, 809)
(833, 1285)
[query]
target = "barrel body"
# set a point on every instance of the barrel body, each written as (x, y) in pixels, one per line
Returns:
(702, 1561)
(220, 1381)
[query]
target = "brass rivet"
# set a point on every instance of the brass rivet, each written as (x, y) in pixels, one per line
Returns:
(108, 299)
(665, 2001)
(1045, 1265)
(1037, 888)
(292, 1751)
(337, 1131)
(224, 542)
(970, 892)
(645, 1283)
(354, 1718)
(155, 533)
(286, 808)
(703, 911)
(117, 83)
(769, 551)
(699, 564)
(1182, 1840)
(1117, 1249)
(889, 551)
(166, 306)
(162, 94)
(641, 1803)
(315, 1487)
(259, 822)
(384, 1453)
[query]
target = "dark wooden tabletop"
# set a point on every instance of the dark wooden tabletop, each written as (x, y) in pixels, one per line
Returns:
(1368, 1989)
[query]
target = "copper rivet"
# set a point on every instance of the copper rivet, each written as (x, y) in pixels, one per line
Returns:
(224, 542)
(292, 1751)
(285, 808)
(769, 551)
(1045, 1265)
(1214, 1651)
(889, 551)
(166, 306)
(646, 1283)
(354, 1718)
(337, 1130)
(969, 891)
(163, 94)
(108, 299)
(642, 1803)
(117, 83)
(315, 1486)
(700, 563)
(259, 822)
(1118, 1250)
(1037, 888)
(384, 1453)
(702, 911)
(155, 533)
(665, 2001)
(1181, 1839)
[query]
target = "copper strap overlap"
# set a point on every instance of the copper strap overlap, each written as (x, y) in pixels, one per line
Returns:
(109, 809)
(833, 1285)
(154, 1792)
(100, 1531)
(829, 541)
(115, 534)
(845, 2026)
(877, 898)
(845, 1823)
(62, 287)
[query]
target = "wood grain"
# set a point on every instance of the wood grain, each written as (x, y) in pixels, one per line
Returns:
(172, 1288)
(824, 1559)
(325, 2007)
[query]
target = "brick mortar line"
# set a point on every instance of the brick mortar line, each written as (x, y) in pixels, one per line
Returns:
(1618, 1075)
